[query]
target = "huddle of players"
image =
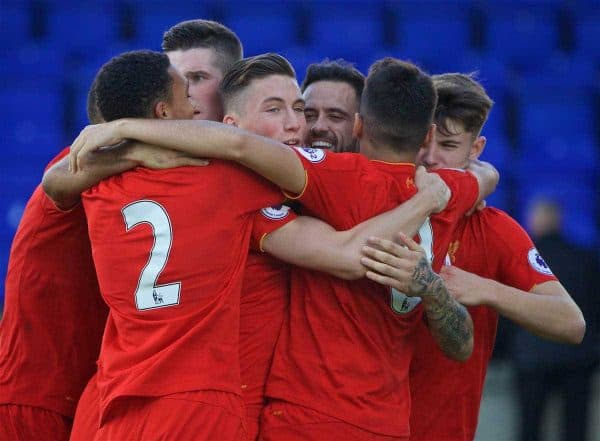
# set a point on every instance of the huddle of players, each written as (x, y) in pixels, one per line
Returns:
(169, 361)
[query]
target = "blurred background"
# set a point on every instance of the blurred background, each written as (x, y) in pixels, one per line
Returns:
(539, 61)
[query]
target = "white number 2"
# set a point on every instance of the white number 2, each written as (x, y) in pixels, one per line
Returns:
(401, 303)
(148, 295)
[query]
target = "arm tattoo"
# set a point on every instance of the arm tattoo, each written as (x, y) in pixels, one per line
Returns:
(449, 321)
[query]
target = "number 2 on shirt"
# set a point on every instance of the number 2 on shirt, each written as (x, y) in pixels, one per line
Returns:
(400, 302)
(149, 295)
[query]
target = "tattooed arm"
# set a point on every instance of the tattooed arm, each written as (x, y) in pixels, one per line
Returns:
(408, 271)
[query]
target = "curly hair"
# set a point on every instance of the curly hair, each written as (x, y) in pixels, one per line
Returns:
(131, 84)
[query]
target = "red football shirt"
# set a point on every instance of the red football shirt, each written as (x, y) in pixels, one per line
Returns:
(446, 394)
(53, 313)
(170, 249)
(346, 349)
(264, 303)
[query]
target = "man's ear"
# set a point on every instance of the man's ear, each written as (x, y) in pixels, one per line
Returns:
(358, 127)
(230, 119)
(477, 147)
(161, 110)
(430, 135)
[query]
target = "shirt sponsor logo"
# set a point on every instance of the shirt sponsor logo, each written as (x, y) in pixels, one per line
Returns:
(538, 263)
(276, 213)
(402, 304)
(313, 155)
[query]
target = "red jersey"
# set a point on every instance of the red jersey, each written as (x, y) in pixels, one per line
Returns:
(53, 313)
(170, 248)
(446, 394)
(264, 303)
(346, 349)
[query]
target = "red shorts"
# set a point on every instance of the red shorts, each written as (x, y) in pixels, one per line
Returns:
(26, 423)
(87, 415)
(290, 422)
(200, 415)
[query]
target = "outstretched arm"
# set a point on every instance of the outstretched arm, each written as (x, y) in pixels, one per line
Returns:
(409, 271)
(65, 188)
(547, 311)
(313, 244)
(207, 139)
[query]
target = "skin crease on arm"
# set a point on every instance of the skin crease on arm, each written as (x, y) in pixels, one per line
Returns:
(275, 161)
(547, 311)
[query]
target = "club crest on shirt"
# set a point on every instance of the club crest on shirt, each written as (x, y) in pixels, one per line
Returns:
(313, 155)
(401, 303)
(537, 262)
(277, 212)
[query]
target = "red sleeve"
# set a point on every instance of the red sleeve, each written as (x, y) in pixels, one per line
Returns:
(268, 220)
(513, 253)
(247, 190)
(341, 188)
(464, 188)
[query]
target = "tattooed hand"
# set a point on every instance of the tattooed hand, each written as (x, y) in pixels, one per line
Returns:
(408, 271)
(403, 266)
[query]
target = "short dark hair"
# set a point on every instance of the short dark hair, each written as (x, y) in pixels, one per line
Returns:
(397, 104)
(210, 34)
(93, 113)
(337, 70)
(131, 84)
(462, 99)
(241, 74)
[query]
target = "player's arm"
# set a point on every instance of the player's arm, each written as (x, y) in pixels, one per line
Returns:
(547, 311)
(207, 139)
(408, 271)
(65, 188)
(487, 177)
(313, 244)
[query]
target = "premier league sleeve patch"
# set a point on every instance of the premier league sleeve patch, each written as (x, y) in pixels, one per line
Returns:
(313, 155)
(276, 213)
(538, 263)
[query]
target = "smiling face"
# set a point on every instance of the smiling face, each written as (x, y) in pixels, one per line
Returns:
(450, 149)
(200, 67)
(330, 110)
(272, 107)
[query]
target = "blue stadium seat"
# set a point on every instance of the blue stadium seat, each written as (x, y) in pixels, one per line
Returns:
(83, 26)
(14, 24)
(587, 30)
(523, 34)
(561, 120)
(32, 130)
(264, 26)
(27, 62)
(432, 32)
(346, 29)
(153, 18)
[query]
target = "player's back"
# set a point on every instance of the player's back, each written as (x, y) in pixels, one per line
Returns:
(170, 249)
(54, 316)
(346, 349)
(446, 394)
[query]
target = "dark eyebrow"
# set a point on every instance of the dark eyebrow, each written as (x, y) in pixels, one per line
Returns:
(196, 72)
(337, 110)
